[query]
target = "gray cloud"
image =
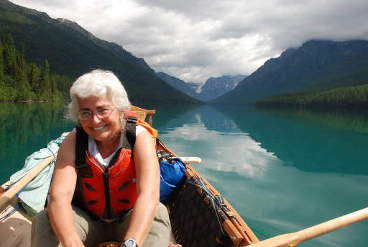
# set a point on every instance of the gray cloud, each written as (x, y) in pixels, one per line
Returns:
(197, 39)
(201, 9)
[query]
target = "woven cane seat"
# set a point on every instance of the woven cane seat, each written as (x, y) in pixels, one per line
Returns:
(195, 218)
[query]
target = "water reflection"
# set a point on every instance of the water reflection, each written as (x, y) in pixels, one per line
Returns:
(220, 151)
(280, 172)
(353, 119)
(309, 146)
(25, 128)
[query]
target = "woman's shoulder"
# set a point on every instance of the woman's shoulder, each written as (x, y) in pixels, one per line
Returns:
(70, 138)
(67, 148)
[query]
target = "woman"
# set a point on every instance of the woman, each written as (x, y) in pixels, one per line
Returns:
(106, 179)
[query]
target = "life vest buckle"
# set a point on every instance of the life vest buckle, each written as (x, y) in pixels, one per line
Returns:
(131, 120)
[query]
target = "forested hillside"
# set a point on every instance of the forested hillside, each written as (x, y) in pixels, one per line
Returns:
(24, 81)
(340, 97)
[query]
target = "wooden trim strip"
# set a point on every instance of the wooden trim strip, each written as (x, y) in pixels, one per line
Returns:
(6, 197)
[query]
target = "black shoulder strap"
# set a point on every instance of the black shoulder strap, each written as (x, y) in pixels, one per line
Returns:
(81, 146)
(130, 133)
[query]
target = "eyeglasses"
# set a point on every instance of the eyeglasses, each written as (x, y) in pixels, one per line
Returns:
(102, 112)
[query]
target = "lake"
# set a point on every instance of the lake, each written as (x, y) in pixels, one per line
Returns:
(283, 170)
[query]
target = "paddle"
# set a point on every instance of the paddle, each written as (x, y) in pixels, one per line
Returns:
(7, 196)
(190, 160)
(293, 239)
(118, 244)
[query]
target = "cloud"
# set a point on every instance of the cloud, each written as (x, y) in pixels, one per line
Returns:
(251, 159)
(195, 40)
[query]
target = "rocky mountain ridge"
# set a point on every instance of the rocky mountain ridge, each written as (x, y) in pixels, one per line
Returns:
(211, 89)
(316, 65)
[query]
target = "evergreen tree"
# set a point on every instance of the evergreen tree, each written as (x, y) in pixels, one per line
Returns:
(1, 61)
(24, 90)
(10, 55)
(54, 90)
(34, 77)
(20, 68)
(45, 88)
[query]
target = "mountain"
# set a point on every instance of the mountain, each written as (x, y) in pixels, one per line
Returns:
(217, 86)
(72, 51)
(211, 89)
(316, 65)
(194, 86)
(178, 84)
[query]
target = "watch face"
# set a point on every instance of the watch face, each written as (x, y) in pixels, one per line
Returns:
(130, 243)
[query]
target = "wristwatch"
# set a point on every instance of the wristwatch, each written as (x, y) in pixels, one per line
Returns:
(129, 243)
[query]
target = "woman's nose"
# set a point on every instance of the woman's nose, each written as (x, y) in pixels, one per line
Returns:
(96, 118)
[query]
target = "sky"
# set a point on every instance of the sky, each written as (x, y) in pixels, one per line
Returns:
(198, 39)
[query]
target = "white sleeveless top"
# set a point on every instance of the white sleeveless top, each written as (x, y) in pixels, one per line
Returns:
(92, 148)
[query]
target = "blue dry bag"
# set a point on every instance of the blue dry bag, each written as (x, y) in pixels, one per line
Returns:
(172, 174)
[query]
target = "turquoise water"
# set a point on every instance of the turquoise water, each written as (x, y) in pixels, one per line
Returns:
(282, 170)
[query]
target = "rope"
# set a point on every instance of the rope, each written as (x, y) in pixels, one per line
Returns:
(53, 154)
(216, 201)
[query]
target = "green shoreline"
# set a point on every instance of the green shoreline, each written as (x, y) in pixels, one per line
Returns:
(346, 97)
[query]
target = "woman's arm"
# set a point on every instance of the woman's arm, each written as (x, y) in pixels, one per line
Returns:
(148, 186)
(59, 207)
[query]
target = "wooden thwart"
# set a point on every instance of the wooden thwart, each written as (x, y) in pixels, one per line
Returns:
(7, 196)
(143, 114)
(293, 239)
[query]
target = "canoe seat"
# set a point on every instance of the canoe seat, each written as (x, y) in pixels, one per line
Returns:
(195, 217)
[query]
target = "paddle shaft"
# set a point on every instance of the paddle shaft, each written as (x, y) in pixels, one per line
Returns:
(190, 160)
(293, 239)
(6, 197)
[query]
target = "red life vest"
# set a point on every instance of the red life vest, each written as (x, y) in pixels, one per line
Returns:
(109, 192)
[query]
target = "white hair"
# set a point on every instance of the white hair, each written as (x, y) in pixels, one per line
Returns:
(97, 83)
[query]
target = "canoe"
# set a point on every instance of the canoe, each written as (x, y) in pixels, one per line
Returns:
(200, 216)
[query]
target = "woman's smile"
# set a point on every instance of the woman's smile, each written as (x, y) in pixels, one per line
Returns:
(100, 128)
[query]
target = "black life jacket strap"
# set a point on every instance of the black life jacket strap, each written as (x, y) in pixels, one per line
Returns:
(130, 131)
(81, 146)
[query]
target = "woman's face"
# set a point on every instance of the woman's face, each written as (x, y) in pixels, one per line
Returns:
(102, 129)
